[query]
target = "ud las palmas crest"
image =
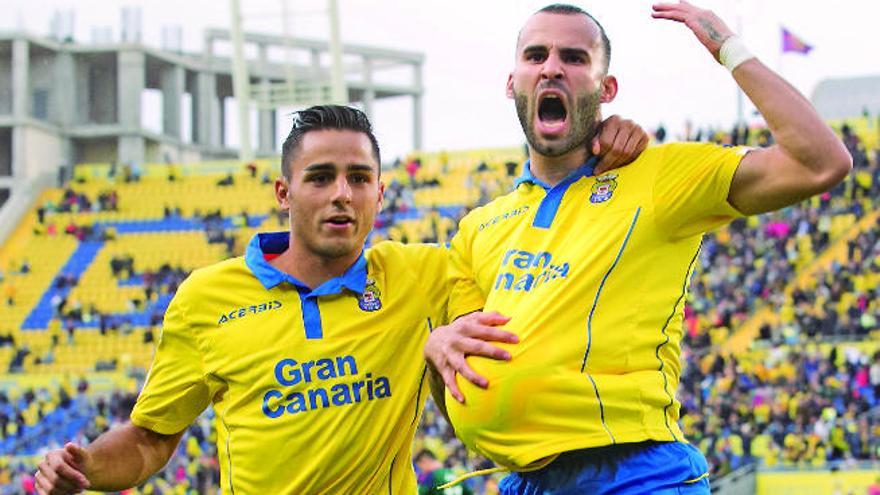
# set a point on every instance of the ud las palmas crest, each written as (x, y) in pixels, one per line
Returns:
(369, 300)
(603, 189)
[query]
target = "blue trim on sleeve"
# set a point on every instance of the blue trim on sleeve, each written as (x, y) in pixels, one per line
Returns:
(550, 204)
(354, 279)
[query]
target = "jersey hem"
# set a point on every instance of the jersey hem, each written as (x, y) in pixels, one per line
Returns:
(541, 455)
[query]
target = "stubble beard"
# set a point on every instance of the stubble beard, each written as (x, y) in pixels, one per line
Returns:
(583, 124)
(332, 250)
(324, 247)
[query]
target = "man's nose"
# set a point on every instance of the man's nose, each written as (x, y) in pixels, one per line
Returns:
(552, 68)
(343, 190)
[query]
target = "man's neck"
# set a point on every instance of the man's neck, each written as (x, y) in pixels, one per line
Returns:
(311, 269)
(554, 169)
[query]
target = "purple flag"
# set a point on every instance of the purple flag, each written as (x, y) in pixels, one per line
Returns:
(791, 43)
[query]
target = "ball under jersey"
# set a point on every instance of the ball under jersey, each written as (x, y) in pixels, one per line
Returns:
(315, 391)
(593, 273)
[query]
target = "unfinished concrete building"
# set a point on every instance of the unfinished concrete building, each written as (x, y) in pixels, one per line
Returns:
(63, 102)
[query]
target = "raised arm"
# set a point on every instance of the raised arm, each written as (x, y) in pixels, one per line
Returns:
(119, 459)
(808, 158)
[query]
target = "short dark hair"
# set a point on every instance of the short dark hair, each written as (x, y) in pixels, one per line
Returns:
(567, 9)
(321, 117)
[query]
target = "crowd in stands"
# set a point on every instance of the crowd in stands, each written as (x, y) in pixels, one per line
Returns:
(794, 407)
(155, 283)
(843, 301)
(794, 404)
(749, 264)
(193, 470)
(73, 202)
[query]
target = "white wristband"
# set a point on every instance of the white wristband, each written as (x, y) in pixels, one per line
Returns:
(733, 52)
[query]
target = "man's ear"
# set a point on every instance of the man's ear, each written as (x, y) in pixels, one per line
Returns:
(381, 195)
(510, 93)
(282, 192)
(609, 89)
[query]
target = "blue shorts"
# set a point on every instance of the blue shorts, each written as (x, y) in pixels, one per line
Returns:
(659, 468)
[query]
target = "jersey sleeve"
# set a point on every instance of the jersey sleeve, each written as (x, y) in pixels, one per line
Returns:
(429, 262)
(465, 295)
(177, 389)
(691, 187)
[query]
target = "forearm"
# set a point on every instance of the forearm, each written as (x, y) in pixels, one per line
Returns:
(807, 158)
(798, 129)
(438, 391)
(126, 456)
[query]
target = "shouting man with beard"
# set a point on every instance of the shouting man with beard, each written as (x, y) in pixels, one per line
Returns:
(589, 270)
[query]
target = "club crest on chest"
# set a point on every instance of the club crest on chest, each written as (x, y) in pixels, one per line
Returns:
(369, 300)
(603, 189)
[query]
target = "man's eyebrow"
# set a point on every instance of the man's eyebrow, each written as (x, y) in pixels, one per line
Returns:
(324, 167)
(320, 167)
(565, 50)
(361, 167)
(534, 48)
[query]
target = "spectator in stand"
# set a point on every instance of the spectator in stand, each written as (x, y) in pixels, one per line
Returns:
(412, 168)
(229, 180)
(660, 134)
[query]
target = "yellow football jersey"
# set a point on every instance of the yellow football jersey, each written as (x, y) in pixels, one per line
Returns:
(593, 273)
(315, 391)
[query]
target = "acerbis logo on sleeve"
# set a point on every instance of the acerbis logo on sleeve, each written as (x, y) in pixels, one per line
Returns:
(516, 212)
(239, 313)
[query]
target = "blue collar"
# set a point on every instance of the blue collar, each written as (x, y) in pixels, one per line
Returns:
(354, 279)
(585, 170)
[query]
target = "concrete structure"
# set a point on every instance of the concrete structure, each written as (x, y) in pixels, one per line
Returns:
(847, 98)
(65, 103)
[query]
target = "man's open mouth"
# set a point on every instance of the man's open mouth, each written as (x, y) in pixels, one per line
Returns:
(551, 109)
(340, 220)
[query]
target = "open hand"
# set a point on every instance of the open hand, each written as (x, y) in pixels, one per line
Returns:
(61, 471)
(448, 346)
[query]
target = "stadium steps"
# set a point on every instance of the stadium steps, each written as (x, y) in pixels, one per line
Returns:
(742, 339)
(56, 427)
(78, 262)
(85, 253)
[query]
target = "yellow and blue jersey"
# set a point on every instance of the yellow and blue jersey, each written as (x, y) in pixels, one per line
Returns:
(315, 390)
(593, 273)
